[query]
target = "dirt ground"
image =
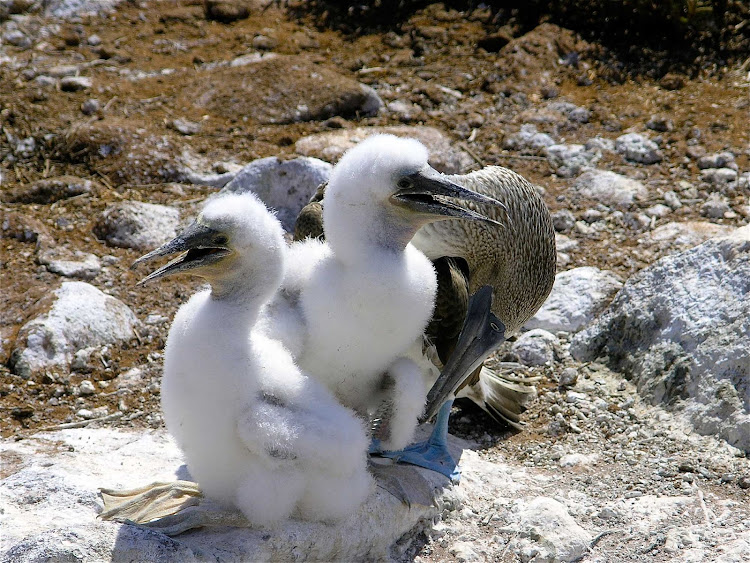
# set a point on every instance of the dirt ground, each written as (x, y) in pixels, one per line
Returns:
(478, 97)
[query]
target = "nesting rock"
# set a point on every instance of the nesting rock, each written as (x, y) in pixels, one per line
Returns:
(609, 188)
(284, 185)
(331, 145)
(680, 329)
(49, 506)
(577, 296)
(133, 224)
(76, 315)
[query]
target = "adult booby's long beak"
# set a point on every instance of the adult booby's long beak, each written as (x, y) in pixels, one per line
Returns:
(425, 192)
(201, 245)
(481, 334)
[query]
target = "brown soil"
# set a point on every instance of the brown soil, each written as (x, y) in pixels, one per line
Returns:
(475, 96)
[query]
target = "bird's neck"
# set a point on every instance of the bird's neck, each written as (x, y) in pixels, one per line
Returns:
(354, 236)
(240, 299)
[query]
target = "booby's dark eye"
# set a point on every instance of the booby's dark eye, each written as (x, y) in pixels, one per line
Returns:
(404, 183)
(221, 239)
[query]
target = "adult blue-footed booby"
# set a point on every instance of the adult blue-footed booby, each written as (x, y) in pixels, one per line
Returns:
(515, 256)
(257, 434)
(365, 294)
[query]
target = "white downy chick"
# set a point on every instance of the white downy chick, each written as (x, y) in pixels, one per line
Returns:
(257, 433)
(364, 296)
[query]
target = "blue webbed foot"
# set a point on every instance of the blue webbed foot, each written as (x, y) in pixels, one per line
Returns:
(433, 453)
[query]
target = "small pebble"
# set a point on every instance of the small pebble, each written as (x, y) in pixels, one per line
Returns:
(75, 83)
(86, 387)
(568, 377)
(90, 106)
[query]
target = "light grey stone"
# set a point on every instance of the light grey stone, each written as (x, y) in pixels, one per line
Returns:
(536, 347)
(528, 137)
(579, 115)
(659, 211)
(601, 144)
(90, 106)
(45, 81)
(682, 236)
(568, 160)
(61, 71)
(638, 148)
(133, 224)
(284, 185)
(715, 207)
(568, 377)
(404, 110)
(565, 243)
(67, 9)
(331, 145)
(86, 387)
(22, 148)
(719, 176)
(75, 83)
(79, 265)
(672, 200)
(717, 160)
(186, 127)
(577, 296)
(546, 527)
(563, 220)
(78, 316)
(609, 188)
(680, 329)
(660, 123)
(17, 38)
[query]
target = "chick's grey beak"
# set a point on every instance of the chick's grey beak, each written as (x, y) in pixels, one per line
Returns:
(199, 246)
(427, 192)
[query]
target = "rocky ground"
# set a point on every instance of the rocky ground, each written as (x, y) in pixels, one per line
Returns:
(116, 125)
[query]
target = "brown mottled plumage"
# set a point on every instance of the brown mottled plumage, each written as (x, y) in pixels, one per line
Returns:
(517, 258)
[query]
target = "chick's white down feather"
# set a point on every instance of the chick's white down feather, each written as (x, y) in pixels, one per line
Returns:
(257, 433)
(362, 297)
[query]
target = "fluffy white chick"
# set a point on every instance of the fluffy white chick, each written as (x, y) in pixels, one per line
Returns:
(363, 297)
(257, 434)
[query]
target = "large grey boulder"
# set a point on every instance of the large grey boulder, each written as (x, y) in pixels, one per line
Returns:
(134, 224)
(576, 298)
(681, 330)
(284, 185)
(331, 145)
(76, 315)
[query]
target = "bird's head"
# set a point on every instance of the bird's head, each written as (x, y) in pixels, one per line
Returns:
(234, 242)
(386, 181)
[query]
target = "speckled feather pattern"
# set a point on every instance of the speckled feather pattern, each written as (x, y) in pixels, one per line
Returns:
(518, 258)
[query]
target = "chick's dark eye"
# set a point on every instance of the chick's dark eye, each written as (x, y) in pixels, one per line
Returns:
(404, 183)
(221, 239)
